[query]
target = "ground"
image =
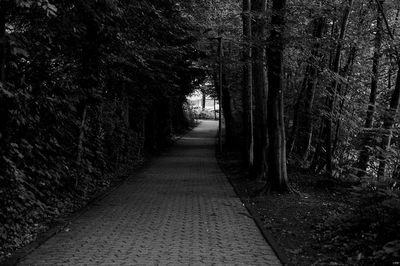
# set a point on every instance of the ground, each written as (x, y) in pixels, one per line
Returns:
(298, 222)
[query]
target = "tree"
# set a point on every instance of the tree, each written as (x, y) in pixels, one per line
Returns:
(260, 88)
(332, 89)
(390, 113)
(87, 88)
(301, 133)
(367, 141)
(277, 178)
(248, 84)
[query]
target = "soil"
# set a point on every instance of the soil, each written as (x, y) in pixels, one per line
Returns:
(294, 220)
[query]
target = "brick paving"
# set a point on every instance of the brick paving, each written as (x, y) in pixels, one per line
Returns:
(180, 210)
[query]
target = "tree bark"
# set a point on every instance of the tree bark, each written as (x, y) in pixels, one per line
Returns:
(247, 84)
(295, 126)
(81, 135)
(364, 153)
(203, 100)
(390, 114)
(332, 90)
(388, 122)
(302, 124)
(277, 178)
(345, 72)
(260, 89)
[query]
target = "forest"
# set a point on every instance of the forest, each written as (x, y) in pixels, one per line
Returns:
(309, 90)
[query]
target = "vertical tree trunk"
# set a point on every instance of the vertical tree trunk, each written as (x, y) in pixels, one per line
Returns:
(364, 153)
(388, 122)
(221, 95)
(260, 89)
(81, 135)
(390, 114)
(203, 100)
(247, 84)
(295, 126)
(345, 72)
(225, 106)
(215, 111)
(302, 124)
(332, 90)
(277, 178)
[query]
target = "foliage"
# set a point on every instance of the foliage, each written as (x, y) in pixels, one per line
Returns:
(370, 231)
(83, 98)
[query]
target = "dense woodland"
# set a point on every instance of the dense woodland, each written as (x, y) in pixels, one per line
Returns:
(89, 88)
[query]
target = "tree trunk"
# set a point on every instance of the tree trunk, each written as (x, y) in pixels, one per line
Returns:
(302, 131)
(277, 178)
(81, 137)
(364, 153)
(215, 111)
(390, 114)
(260, 90)
(203, 100)
(295, 126)
(247, 84)
(345, 72)
(388, 122)
(332, 90)
(226, 108)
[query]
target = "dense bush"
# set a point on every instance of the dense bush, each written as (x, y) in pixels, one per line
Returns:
(371, 231)
(206, 114)
(86, 89)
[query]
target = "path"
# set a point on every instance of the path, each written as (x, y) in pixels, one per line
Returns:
(180, 210)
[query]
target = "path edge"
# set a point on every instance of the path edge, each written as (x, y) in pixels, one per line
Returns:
(66, 221)
(257, 219)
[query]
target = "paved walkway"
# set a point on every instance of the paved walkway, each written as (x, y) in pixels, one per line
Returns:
(179, 211)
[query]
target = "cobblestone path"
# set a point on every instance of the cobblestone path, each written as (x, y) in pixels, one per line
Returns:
(180, 210)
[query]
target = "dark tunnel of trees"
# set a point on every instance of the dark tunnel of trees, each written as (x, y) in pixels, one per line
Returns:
(89, 88)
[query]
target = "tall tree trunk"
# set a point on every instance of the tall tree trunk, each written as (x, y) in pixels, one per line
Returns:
(364, 153)
(215, 110)
(260, 89)
(390, 114)
(81, 138)
(247, 84)
(81, 135)
(277, 178)
(226, 106)
(203, 100)
(388, 122)
(345, 72)
(295, 126)
(302, 126)
(332, 90)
